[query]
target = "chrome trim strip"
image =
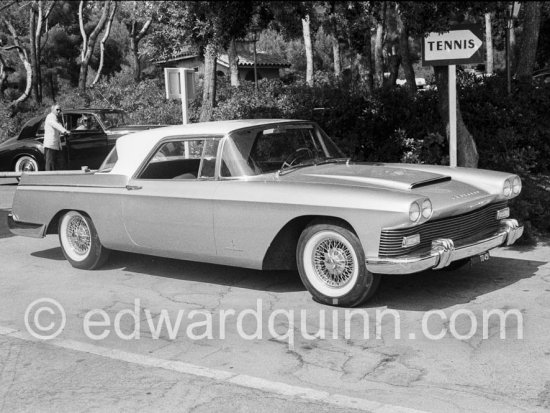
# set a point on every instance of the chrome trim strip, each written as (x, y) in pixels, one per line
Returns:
(25, 229)
(443, 252)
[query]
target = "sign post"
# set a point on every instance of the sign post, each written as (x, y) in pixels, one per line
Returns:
(180, 84)
(460, 45)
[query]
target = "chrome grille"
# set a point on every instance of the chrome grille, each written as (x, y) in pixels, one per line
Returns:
(481, 222)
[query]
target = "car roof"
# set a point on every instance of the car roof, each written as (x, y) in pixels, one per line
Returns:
(133, 148)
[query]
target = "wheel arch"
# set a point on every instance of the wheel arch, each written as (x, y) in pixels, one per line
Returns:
(36, 155)
(281, 254)
(53, 225)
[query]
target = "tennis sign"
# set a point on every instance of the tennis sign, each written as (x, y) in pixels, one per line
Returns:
(461, 45)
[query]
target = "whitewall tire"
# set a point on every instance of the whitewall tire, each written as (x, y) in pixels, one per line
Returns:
(26, 164)
(80, 242)
(331, 263)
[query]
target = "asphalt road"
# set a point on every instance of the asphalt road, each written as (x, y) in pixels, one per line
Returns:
(232, 368)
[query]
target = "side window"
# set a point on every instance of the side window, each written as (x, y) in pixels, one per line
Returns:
(183, 159)
(71, 121)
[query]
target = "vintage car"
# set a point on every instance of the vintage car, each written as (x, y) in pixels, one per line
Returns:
(270, 194)
(85, 146)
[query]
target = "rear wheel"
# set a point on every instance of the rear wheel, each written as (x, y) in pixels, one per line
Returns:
(80, 242)
(332, 266)
(26, 163)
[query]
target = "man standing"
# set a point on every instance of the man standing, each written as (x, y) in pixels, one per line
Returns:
(52, 141)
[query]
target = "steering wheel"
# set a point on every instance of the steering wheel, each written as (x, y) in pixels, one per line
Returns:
(294, 156)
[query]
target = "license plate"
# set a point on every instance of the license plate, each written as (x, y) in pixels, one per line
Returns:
(484, 257)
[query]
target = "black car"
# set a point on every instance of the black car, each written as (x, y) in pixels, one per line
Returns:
(93, 133)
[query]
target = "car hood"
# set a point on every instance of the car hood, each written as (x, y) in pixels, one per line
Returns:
(449, 196)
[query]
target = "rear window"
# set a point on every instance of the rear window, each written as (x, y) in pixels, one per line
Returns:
(109, 162)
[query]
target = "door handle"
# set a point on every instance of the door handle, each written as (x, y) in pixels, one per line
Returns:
(133, 187)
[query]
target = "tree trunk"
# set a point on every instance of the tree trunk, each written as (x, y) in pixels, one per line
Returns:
(336, 56)
(102, 43)
(466, 147)
(135, 57)
(489, 44)
(369, 78)
(38, 16)
(209, 87)
(23, 56)
(529, 39)
(233, 63)
(378, 52)
(309, 49)
(406, 61)
(35, 64)
(135, 38)
(394, 63)
(3, 76)
(88, 43)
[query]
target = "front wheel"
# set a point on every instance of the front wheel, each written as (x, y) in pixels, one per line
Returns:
(80, 242)
(331, 263)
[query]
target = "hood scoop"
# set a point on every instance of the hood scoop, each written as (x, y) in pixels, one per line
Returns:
(432, 181)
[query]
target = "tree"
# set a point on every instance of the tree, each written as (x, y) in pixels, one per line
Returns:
(102, 43)
(206, 25)
(489, 43)
(529, 39)
(306, 27)
(404, 51)
(379, 44)
(233, 63)
(89, 41)
(138, 17)
(39, 13)
(24, 57)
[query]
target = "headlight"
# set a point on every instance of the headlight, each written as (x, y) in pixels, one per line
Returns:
(414, 212)
(516, 185)
(507, 189)
(427, 209)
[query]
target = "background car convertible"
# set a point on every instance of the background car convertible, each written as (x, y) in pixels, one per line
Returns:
(270, 194)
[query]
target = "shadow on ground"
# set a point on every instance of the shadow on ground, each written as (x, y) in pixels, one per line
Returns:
(442, 289)
(417, 292)
(4, 230)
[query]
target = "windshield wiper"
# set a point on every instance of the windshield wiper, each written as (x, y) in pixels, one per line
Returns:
(333, 160)
(311, 162)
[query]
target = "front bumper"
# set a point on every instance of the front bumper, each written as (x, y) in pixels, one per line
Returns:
(443, 252)
(25, 229)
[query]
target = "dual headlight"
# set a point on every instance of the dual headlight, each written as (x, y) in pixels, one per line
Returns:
(417, 210)
(511, 187)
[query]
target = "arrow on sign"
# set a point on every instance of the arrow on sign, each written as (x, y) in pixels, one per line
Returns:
(456, 44)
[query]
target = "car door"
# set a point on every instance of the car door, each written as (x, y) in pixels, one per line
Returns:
(168, 208)
(85, 146)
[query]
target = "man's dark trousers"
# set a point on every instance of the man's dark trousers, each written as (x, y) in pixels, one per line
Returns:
(54, 159)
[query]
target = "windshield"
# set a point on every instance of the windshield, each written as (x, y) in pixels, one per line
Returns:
(272, 148)
(113, 119)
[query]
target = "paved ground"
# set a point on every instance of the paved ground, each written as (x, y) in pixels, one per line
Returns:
(239, 372)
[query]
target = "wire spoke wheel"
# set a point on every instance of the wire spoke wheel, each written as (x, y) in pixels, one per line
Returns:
(80, 242)
(331, 263)
(78, 235)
